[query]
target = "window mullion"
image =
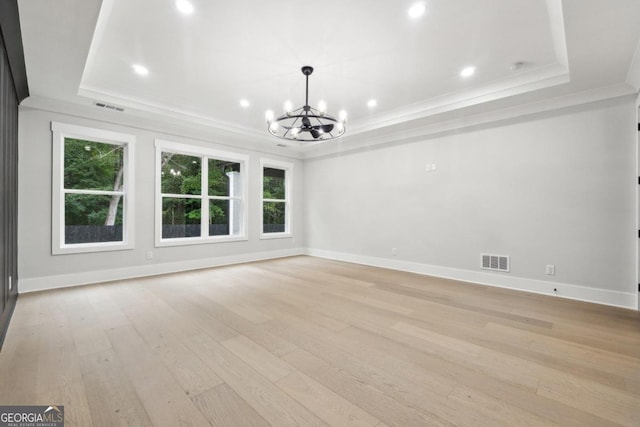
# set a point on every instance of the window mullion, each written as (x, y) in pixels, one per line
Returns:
(181, 196)
(204, 199)
(94, 192)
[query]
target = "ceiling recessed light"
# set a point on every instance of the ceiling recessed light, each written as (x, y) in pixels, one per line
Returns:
(468, 72)
(184, 6)
(244, 103)
(417, 10)
(372, 103)
(140, 69)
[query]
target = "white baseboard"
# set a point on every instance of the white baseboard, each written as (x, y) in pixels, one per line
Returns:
(581, 293)
(565, 290)
(35, 284)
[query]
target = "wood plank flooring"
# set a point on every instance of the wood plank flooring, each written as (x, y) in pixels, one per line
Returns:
(305, 341)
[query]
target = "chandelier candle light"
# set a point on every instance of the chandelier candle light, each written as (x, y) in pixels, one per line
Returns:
(306, 123)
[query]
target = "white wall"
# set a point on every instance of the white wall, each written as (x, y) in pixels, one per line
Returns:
(553, 188)
(39, 269)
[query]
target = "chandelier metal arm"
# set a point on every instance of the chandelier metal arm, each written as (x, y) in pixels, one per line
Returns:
(288, 129)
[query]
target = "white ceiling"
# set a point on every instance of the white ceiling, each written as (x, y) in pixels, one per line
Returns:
(201, 65)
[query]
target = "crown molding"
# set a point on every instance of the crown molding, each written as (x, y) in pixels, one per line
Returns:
(404, 134)
(173, 126)
(542, 78)
(166, 111)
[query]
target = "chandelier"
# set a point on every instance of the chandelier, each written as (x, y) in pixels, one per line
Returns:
(306, 123)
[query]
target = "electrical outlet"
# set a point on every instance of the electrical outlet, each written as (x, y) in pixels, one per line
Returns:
(394, 251)
(428, 167)
(149, 254)
(433, 167)
(551, 269)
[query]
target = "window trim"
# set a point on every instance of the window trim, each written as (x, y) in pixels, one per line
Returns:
(288, 180)
(209, 153)
(61, 131)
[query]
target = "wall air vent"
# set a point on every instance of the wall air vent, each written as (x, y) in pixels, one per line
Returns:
(108, 106)
(495, 262)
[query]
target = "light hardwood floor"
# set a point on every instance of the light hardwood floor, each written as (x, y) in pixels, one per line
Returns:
(312, 342)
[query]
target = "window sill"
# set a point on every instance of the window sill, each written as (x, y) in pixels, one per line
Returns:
(80, 248)
(184, 241)
(268, 236)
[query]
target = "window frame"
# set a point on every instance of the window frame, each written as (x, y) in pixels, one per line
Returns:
(203, 153)
(60, 132)
(288, 185)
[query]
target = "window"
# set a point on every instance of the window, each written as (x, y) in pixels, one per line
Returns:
(92, 201)
(201, 194)
(276, 199)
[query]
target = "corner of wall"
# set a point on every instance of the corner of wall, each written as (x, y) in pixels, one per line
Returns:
(633, 75)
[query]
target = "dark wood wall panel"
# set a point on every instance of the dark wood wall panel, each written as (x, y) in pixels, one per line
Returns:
(14, 50)
(8, 191)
